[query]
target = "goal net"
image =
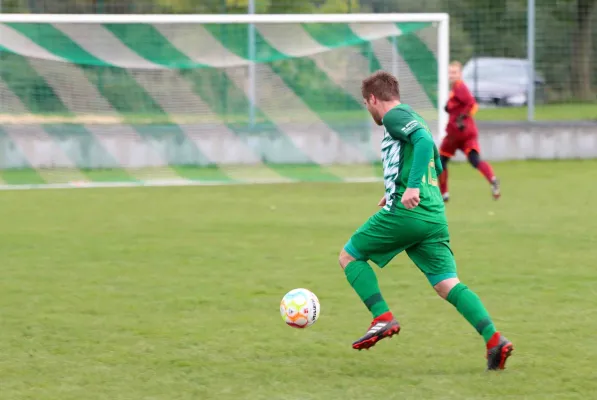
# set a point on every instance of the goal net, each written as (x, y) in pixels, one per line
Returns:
(188, 99)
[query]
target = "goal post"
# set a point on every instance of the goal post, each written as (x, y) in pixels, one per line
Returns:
(191, 99)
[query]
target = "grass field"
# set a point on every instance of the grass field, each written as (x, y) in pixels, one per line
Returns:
(173, 293)
(543, 112)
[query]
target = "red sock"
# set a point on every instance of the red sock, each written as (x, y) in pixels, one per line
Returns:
(494, 341)
(443, 182)
(387, 316)
(486, 170)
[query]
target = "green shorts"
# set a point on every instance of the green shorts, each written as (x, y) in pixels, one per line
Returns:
(385, 235)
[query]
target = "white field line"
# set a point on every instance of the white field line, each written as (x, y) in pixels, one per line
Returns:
(166, 183)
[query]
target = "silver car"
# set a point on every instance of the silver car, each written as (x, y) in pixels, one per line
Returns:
(501, 81)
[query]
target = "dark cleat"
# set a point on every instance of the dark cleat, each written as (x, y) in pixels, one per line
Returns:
(446, 197)
(384, 326)
(498, 354)
(495, 189)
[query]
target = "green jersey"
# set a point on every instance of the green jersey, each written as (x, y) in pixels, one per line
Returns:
(410, 160)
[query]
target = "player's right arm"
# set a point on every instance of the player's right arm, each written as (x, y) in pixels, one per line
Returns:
(437, 161)
(404, 126)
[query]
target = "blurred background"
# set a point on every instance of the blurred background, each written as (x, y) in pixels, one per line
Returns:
(140, 102)
(491, 30)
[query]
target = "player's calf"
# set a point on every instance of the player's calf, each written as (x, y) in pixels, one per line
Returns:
(363, 280)
(484, 167)
(472, 309)
(474, 158)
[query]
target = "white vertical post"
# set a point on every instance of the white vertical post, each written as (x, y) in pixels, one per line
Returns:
(443, 60)
(395, 57)
(531, 59)
(252, 69)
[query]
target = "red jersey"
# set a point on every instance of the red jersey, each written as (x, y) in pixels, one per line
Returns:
(461, 102)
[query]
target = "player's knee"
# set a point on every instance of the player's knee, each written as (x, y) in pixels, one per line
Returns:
(473, 158)
(444, 287)
(444, 160)
(344, 259)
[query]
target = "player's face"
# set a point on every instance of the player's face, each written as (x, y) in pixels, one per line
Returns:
(454, 73)
(373, 106)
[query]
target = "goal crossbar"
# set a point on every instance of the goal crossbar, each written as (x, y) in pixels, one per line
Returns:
(222, 18)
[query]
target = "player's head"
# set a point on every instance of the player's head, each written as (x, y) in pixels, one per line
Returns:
(378, 90)
(455, 71)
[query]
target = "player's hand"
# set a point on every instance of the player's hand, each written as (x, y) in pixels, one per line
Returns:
(382, 202)
(410, 198)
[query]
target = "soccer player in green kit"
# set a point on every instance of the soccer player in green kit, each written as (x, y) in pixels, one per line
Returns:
(412, 219)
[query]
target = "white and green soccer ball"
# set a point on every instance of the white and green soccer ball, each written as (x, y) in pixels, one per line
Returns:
(300, 308)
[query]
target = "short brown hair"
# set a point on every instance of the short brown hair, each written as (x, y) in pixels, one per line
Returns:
(456, 64)
(382, 85)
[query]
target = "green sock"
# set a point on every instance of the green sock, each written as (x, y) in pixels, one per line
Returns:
(362, 278)
(470, 306)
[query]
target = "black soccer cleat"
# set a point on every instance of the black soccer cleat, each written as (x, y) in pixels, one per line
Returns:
(495, 189)
(498, 354)
(384, 326)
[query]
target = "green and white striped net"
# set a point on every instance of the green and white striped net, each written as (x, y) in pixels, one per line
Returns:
(181, 102)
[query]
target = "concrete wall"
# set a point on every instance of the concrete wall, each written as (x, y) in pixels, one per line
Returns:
(98, 146)
(538, 140)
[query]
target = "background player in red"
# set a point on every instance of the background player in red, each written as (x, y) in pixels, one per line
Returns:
(462, 132)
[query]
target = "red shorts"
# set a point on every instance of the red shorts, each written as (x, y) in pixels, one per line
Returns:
(454, 142)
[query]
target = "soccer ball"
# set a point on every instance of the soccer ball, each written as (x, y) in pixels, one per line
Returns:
(299, 308)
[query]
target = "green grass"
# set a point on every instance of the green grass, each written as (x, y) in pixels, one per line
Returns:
(544, 112)
(173, 293)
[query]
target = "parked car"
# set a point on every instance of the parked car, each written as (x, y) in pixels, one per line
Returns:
(501, 81)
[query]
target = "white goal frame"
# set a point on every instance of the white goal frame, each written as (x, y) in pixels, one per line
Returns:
(442, 19)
